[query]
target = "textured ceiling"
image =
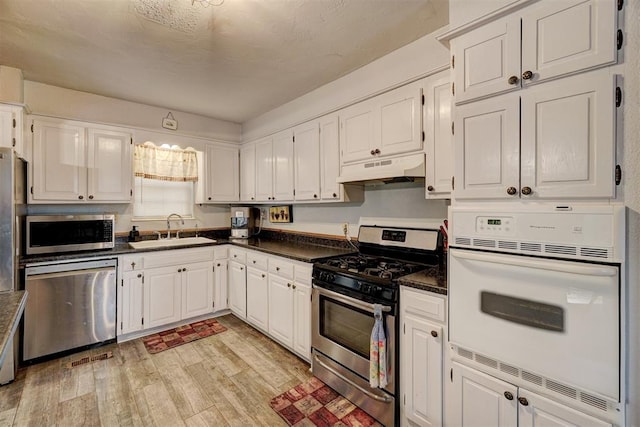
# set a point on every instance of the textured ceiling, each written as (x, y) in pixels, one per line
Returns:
(231, 62)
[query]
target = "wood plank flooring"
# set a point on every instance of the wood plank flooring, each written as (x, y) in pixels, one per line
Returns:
(222, 380)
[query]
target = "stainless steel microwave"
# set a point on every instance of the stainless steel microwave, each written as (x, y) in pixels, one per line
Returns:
(69, 233)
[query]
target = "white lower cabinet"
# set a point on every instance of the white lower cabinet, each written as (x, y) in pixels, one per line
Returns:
(481, 400)
(238, 289)
(281, 309)
(160, 288)
(422, 338)
(257, 298)
(220, 278)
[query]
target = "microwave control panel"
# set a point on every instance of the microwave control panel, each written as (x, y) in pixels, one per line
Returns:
(495, 225)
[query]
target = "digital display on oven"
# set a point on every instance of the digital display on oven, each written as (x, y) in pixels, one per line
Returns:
(394, 235)
(494, 222)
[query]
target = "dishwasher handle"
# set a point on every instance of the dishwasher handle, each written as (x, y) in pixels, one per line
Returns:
(65, 267)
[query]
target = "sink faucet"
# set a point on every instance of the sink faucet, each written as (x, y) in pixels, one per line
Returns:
(169, 224)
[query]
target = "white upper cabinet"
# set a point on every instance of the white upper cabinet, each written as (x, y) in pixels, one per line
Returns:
(385, 125)
(307, 161)
(283, 166)
(438, 137)
(330, 159)
(11, 128)
(223, 174)
(547, 40)
(264, 169)
(248, 173)
(75, 163)
(557, 141)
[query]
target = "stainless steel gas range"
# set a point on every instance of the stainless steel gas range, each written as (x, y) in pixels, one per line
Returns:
(345, 291)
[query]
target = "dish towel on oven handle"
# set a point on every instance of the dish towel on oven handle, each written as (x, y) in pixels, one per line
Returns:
(378, 351)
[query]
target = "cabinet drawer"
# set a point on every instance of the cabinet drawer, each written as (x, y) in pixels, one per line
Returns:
(257, 260)
(132, 262)
(302, 274)
(423, 304)
(238, 255)
(281, 267)
(175, 257)
(221, 252)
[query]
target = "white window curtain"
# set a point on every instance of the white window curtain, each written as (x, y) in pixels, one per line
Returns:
(166, 164)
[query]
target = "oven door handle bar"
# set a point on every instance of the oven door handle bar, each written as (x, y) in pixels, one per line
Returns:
(347, 300)
(514, 260)
(343, 378)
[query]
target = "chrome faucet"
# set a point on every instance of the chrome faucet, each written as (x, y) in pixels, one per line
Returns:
(169, 224)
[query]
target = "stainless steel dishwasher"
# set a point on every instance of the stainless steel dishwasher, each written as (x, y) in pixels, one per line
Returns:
(70, 305)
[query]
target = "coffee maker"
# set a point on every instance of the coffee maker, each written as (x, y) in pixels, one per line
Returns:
(243, 221)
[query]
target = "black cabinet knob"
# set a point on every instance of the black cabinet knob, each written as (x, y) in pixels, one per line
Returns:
(508, 395)
(430, 188)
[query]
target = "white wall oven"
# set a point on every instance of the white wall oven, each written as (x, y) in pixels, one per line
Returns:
(536, 298)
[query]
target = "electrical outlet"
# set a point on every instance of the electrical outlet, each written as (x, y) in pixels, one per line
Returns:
(345, 228)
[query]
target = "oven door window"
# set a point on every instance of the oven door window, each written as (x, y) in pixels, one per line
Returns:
(346, 325)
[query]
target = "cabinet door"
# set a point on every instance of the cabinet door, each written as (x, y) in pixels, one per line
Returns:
(223, 174)
(329, 159)
(307, 161)
(131, 309)
(400, 125)
(109, 166)
(568, 137)
(283, 166)
(197, 289)
(162, 303)
(257, 298)
(220, 280)
(248, 173)
(438, 137)
(302, 320)
(536, 410)
(237, 289)
(264, 170)
(562, 37)
(484, 59)
(357, 136)
(6, 127)
(480, 400)
(487, 147)
(281, 309)
(58, 167)
(421, 370)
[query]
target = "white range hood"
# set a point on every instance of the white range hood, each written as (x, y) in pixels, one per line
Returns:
(396, 169)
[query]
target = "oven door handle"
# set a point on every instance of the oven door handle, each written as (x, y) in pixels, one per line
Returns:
(351, 301)
(347, 380)
(515, 260)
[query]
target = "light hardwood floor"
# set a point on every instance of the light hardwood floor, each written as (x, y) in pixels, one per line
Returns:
(222, 380)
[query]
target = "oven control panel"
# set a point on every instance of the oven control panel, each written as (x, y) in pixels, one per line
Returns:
(495, 225)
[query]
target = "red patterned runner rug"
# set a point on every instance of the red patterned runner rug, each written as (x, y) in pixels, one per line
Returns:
(313, 403)
(181, 335)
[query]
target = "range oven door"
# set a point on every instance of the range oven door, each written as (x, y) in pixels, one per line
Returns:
(552, 318)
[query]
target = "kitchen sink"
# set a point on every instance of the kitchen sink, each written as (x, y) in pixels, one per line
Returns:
(170, 243)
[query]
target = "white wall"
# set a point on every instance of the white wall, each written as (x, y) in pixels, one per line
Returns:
(72, 104)
(631, 183)
(415, 60)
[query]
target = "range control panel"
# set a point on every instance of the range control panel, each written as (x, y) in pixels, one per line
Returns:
(495, 225)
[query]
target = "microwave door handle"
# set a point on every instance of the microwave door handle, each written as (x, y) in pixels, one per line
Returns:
(351, 301)
(514, 260)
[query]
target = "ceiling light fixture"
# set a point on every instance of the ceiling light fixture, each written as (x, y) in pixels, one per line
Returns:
(207, 3)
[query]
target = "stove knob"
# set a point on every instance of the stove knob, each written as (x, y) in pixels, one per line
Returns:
(365, 288)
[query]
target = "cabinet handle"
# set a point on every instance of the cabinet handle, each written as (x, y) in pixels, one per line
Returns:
(315, 196)
(133, 265)
(430, 188)
(241, 268)
(139, 275)
(526, 190)
(218, 265)
(263, 275)
(511, 191)
(513, 80)
(373, 152)
(80, 197)
(179, 270)
(288, 285)
(252, 198)
(335, 195)
(508, 395)
(434, 334)
(208, 198)
(91, 197)
(523, 401)
(13, 143)
(377, 151)
(277, 268)
(254, 261)
(527, 75)
(184, 269)
(294, 286)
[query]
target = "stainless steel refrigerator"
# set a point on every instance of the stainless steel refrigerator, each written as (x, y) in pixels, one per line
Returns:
(12, 205)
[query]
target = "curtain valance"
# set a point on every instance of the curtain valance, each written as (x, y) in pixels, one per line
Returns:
(166, 164)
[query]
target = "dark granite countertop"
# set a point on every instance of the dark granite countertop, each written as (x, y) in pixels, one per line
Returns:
(425, 280)
(301, 250)
(12, 306)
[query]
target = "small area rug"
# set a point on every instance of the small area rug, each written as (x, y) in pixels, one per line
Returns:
(313, 403)
(181, 335)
